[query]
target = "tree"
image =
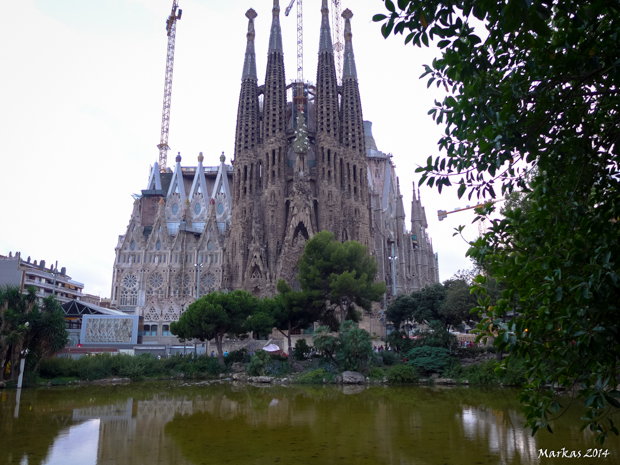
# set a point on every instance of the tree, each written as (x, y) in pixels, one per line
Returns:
(339, 277)
(400, 311)
(325, 342)
(458, 303)
(295, 310)
(24, 325)
(350, 350)
(214, 316)
(539, 93)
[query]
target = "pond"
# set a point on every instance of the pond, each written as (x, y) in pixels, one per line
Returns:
(212, 423)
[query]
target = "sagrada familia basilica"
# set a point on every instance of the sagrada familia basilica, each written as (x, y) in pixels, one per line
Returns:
(301, 165)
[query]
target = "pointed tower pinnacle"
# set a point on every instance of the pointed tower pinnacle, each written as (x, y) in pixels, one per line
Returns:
(275, 38)
(325, 38)
(274, 109)
(352, 124)
(249, 65)
(327, 84)
(247, 134)
(349, 59)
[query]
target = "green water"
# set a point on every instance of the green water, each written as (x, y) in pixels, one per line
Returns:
(199, 423)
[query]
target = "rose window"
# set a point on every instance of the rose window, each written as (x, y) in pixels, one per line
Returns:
(182, 284)
(155, 285)
(130, 281)
(207, 284)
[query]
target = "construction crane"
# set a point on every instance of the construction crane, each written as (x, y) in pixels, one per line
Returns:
(338, 46)
(337, 38)
(299, 99)
(171, 30)
(443, 214)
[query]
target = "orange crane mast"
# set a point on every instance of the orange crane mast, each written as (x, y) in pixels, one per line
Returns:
(171, 30)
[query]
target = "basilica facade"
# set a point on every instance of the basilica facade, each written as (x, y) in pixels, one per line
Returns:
(304, 161)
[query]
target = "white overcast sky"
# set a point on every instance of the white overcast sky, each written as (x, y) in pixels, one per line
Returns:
(82, 87)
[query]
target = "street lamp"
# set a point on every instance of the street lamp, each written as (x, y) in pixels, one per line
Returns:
(393, 258)
(198, 267)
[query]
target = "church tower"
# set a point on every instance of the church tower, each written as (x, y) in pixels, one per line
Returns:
(353, 169)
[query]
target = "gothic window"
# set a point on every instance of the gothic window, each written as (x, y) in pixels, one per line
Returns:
(129, 290)
(155, 285)
(175, 209)
(207, 284)
(170, 315)
(354, 173)
(165, 330)
(151, 315)
(220, 209)
(132, 246)
(181, 285)
(196, 210)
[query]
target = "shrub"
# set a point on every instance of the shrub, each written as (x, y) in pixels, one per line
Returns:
(429, 359)
(238, 356)
(301, 349)
(514, 373)
(402, 374)
(376, 373)
(58, 367)
(277, 368)
(259, 363)
(316, 377)
(355, 349)
(483, 373)
(389, 357)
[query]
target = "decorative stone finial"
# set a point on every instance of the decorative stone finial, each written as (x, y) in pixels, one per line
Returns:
(200, 157)
(276, 7)
(347, 14)
(178, 158)
(162, 201)
(251, 14)
(222, 157)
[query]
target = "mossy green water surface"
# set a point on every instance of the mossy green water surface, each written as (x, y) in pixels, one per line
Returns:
(211, 423)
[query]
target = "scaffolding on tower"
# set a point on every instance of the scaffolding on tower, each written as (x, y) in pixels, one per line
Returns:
(171, 29)
(299, 99)
(337, 38)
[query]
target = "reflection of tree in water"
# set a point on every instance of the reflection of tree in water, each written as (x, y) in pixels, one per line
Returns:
(16, 434)
(173, 423)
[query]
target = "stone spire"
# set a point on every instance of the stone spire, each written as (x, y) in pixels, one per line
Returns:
(325, 37)
(249, 65)
(349, 70)
(327, 84)
(352, 124)
(275, 38)
(247, 134)
(274, 111)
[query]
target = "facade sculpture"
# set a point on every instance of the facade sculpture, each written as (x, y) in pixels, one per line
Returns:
(302, 164)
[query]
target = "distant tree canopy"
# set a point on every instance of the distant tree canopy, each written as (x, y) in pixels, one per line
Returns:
(449, 303)
(215, 316)
(537, 90)
(338, 278)
(24, 324)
